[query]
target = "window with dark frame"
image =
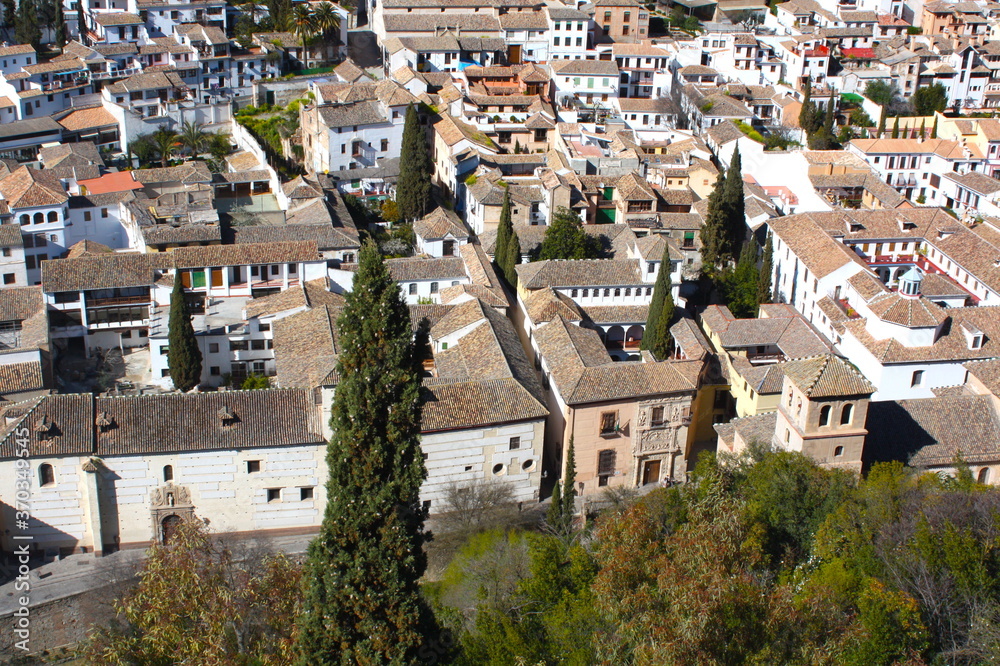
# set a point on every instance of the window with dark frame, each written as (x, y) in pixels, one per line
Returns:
(609, 421)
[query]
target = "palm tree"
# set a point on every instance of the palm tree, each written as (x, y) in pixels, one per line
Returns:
(194, 138)
(305, 25)
(166, 142)
(327, 21)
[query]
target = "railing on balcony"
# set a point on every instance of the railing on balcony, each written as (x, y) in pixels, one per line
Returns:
(120, 300)
(765, 358)
(891, 259)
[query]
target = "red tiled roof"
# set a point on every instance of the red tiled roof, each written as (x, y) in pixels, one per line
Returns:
(867, 54)
(121, 181)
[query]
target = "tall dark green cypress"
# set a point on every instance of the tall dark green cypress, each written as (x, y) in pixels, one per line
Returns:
(183, 354)
(807, 114)
(569, 486)
(713, 232)
(60, 24)
(742, 284)
(660, 307)
(736, 225)
(829, 118)
(26, 29)
(765, 292)
(413, 189)
(362, 602)
(934, 128)
(512, 259)
(881, 125)
(895, 128)
(505, 230)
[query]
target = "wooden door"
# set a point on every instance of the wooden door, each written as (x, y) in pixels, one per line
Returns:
(514, 54)
(651, 472)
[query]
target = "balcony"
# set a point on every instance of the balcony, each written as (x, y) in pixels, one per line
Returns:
(120, 300)
(888, 259)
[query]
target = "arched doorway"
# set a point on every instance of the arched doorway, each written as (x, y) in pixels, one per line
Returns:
(633, 337)
(168, 527)
(615, 338)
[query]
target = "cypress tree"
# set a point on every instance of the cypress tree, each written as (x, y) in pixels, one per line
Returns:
(60, 24)
(554, 517)
(505, 229)
(512, 259)
(736, 225)
(764, 288)
(923, 129)
(413, 189)
(660, 307)
(807, 114)
(741, 285)
(828, 119)
(362, 602)
(9, 12)
(26, 24)
(569, 486)
(81, 26)
(713, 232)
(895, 128)
(183, 354)
(934, 128)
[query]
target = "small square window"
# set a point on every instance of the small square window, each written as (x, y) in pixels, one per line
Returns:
(264, 327)
(273, 495)
(9, 278)
(214, 371)
(213, 347)
(253, 466)
(515, 443)
(305, 494)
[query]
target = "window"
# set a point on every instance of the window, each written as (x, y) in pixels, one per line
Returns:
(606, 462)
(434, 287)
(515, 443)
(273, 495)
(656, 417)
(838, 451)
(238, 345)
(788, 436)
(498, 469)
(9, 278)
(213, 347)
(413, 288)
(984, 475)
(618, 292)
(824, 415)
(573, 293)
(46, 476)
(168, 472)
(253, 466)
(53, 216)
(263, 327)
(305, 494)
(214, 371)
(104, 212)
(385, 145)
(651, 267)
(918, 378)
(845, 414)
(609, 423)
(257, 345)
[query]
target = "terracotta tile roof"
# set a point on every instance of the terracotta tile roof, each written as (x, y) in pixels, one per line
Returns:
(198, 422)
(21, 377)
(16, 49)
(87, 248)
(583, 371)
(439, 223)
(117, 18)
(187, 173)
(54, 425)
(484, 378)
(167, 234)
(931, 432)
(81, 119)
(10, 235)
(827, 376)
(987, 372)
(909, 312)
(546, 304)
(580, 273)
(943, 147)
(788, 331)
(20, 303)
(617, 314)
(950, 345)
(752, 429)
(245, 254)
(409, 269)
(306, 347)
(29, 188)
(313, 294)
(101, 271)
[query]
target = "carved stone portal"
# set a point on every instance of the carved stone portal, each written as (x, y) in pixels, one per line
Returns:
(658, 441)
(169, 505)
